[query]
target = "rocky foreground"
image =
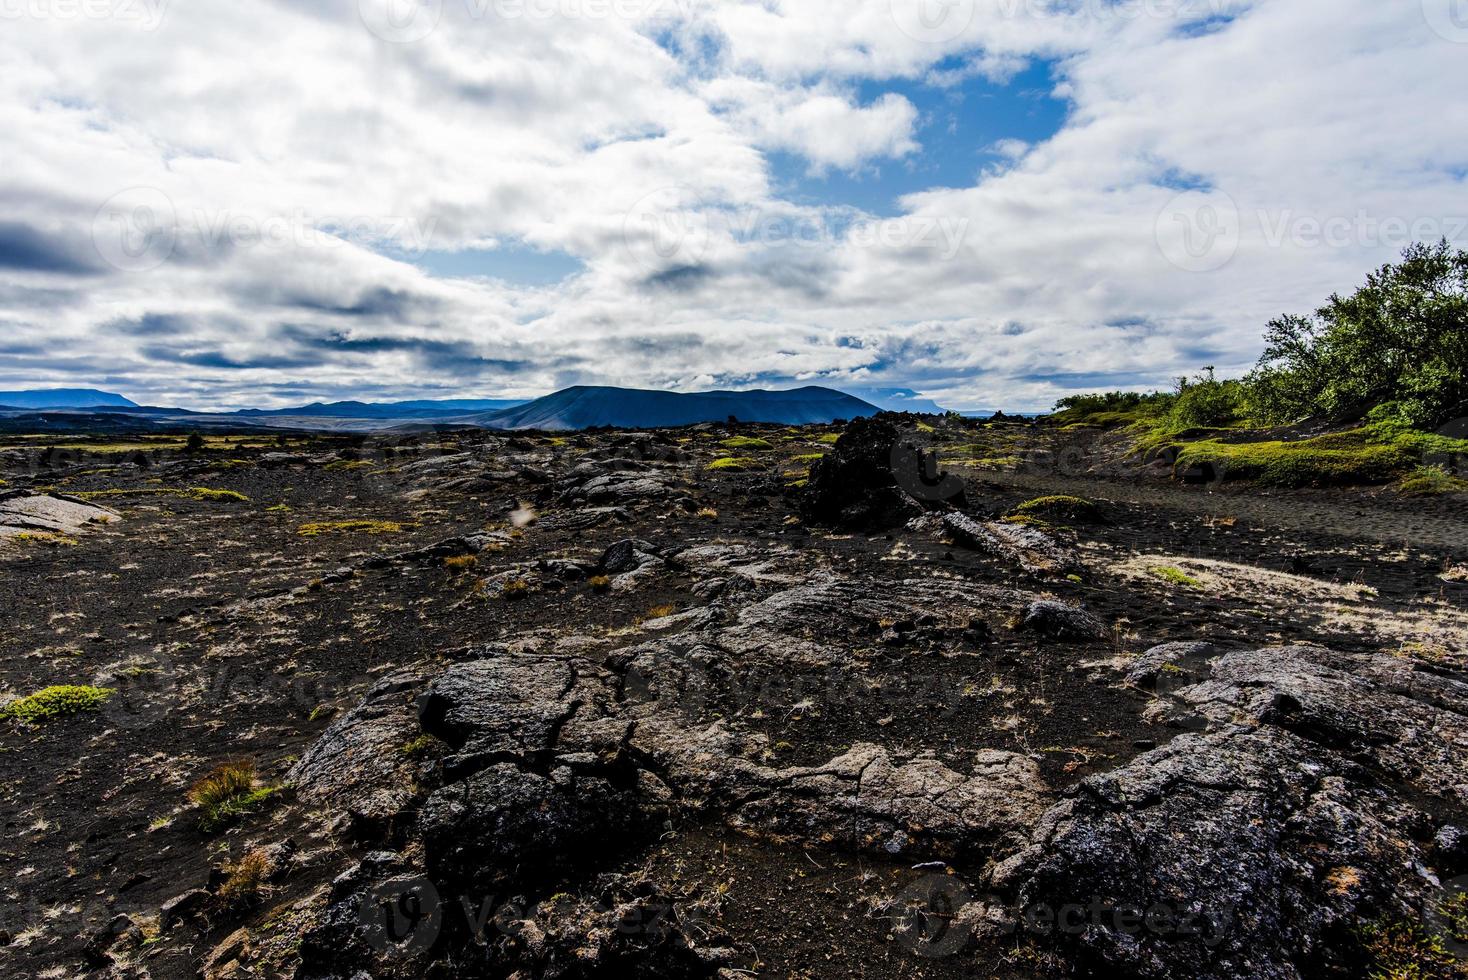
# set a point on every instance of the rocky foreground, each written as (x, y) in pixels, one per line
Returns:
(725, 702)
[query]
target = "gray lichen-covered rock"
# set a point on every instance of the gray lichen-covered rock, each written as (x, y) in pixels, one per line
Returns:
(1262, 846)
(1033, 551)
(357, 766)
(22, 513)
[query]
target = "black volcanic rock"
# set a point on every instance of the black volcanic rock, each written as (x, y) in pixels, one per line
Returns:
(871, 480)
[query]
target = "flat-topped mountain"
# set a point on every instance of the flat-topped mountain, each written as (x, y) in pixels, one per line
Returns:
(585, 407)
(64, 398)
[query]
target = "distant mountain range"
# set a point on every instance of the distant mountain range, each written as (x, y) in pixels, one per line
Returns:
(585, 407)
(392, 410)
(581, 407)
(64, 398)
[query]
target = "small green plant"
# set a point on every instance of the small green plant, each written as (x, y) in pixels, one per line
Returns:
(318, 528)
(515, 589)
(737, 464)
(830, 438)
(747, 442)
(54, 702)
(228, 793)
(1176, 576)
(278, 509)
(1430, 481)
(807, 457)
(417, 748)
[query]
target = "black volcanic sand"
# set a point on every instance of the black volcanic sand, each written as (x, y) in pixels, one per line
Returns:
(242, 644)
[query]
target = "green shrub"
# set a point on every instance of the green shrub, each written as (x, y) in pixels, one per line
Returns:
(1431, 481)
(1176, 576)
(1205, 402)
(1402, 338)
(55, 702)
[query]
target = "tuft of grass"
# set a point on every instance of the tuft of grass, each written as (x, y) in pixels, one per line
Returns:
(747, 442)
(707, 513)
(515, 589)
(1060, 507)
(244, 884)
(829, 438)
(279, 509)
(461, 564)
(349, 464)
(599, 583)
(1430, 481)
(1176, 576)
(228, 793)
(58, 701)
(658, 612)
(807, 457)
(737, 464)
(318, 528)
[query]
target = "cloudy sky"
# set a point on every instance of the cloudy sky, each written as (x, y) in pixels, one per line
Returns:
(991, 202)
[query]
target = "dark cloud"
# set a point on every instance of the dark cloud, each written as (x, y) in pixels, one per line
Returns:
(680, 278)
(30, 250)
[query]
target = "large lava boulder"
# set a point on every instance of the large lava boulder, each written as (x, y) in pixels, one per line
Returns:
(872, 480)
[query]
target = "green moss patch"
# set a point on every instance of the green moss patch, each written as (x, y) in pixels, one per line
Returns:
(748, 443)
(55, 702)
(1342, 459)
(1176, 576)
(735, 463)
(318, 528)
(1060, 507)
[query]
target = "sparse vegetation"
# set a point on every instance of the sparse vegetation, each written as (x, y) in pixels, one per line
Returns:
(515, 589)
(599, 583)
(58, 701)
(419, 747)
(707, 513)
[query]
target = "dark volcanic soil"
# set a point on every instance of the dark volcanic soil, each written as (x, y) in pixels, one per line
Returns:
(232, 632)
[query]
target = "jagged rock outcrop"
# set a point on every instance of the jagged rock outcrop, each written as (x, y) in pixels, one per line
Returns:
(870, 480)
(1261, 847)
